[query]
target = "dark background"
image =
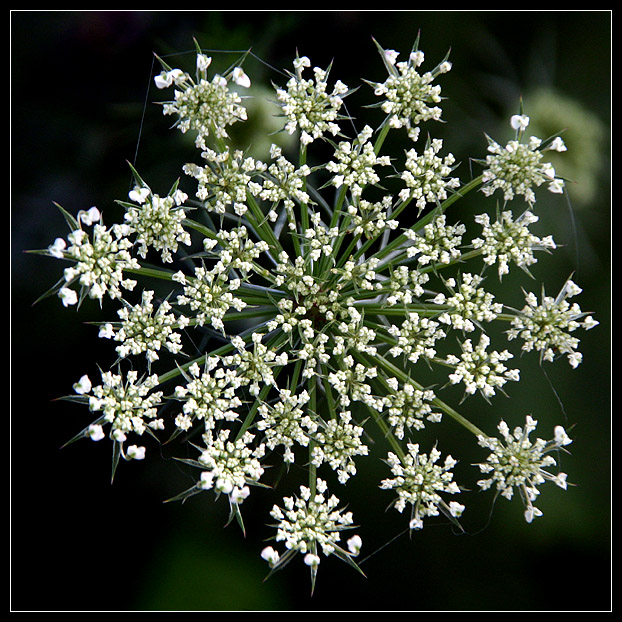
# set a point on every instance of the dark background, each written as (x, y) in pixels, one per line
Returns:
(78, 84)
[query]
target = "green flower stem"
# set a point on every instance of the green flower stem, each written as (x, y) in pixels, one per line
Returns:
(261, 225)
(252, 312)
(202, 229)
(274, 344)
(266, 274)
(348, 252)
(338, 204)
(375, 415)
(304, 214)
(157, 273)
(312, 383)
(267, 293)
(304, 209)
(387, 433)
(381, 309)
(323, 262)
(398, 373)
(250, 416)
(293, 381)
(422, 222)
(330, 399)
(384, 130)
(343, 226)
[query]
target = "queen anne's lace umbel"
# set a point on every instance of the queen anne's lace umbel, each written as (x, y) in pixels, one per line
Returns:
(296, 307)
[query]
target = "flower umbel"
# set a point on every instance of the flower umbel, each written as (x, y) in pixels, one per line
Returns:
(308, 104)
(517, 167)
(290, 315)
(418, 481)
(546, 326)
(311, 523)
(517, 463)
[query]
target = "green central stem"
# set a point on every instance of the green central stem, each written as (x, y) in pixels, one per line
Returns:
(404, 377)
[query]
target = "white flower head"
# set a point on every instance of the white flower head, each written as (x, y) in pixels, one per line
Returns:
(270, 555)
(135, 453)
(288, 301)
(83, 385)
(56, 249)
(95, 432)
(89, 216)
(519, 121)
(391, 56)
(203, 62)
(240, 78)
(516, 463)
(68, 296)
(354, 545)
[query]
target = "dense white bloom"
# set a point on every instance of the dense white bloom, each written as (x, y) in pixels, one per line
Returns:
(311, 523)
(352, 384)
(407, 407)
(510, 241)
(235, 250)
(409, 97)
(225, 180)
(480, 370)
(210, 394)
(427, 176)
(208, 107)
(309, 106)
(405, 285)
(516, 462)
(438, 243)
(230, 464)
(415, 337)
(468, 304)
(283, 182)
(545, 325)
(355, 162)
(285, 422)
(419, 481)
(370, 219)
(128, 405)
(145, 329)
(517, 168)
(209, 295)
(98, 264)
(157, 222)
(338, 441)
(255, 365)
